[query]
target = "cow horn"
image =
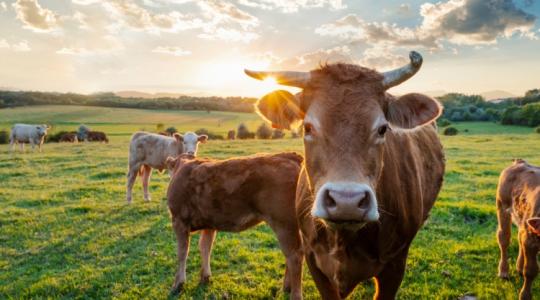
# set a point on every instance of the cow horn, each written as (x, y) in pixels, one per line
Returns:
(296, 79)
(397, 76)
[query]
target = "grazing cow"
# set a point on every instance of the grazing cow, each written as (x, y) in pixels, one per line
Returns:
(149, 150)
(97, 136)
(231, 135)
(70, 137)
(518, 200)
(234, 195)
(372, 170)
(25, 133)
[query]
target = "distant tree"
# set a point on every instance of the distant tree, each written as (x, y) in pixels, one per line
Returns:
(160, 127)
(442, 122)
(211, 135)
(456, 116)
(243, 132)
(231, 135)
(450, 131)
(278, 134)
(4, 137)
(171, 130)
(264, 132)
(533, 93)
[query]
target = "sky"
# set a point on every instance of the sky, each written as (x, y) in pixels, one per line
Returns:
(200, 47)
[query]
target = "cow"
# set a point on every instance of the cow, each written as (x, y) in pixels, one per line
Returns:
(234, 195)
(373, 168)
(518, 200)
(96, 136)
(26, 133)
(70, 137)
(149, 150)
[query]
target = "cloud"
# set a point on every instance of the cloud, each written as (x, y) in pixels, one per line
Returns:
(291, 6)
(74, 51)
(171, 50)
(3, 6)
(460, 22)
(35, 17)
(221, 12)
(21, 46)
(92, 45)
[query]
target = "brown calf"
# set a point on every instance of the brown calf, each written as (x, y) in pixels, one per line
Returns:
(518, 200)
(97, 136)
(234, 195)
(70, 137)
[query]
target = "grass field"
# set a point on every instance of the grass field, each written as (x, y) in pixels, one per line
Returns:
(66, 231)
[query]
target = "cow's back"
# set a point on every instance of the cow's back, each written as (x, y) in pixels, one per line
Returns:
(23, 132)
(152, 149)
(517, 183)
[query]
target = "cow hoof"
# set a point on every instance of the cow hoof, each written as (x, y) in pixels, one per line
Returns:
(177, 289)
(504, 275)
(147, 198)
(204, 279)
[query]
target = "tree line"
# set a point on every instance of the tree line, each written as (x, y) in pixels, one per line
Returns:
(22, 98)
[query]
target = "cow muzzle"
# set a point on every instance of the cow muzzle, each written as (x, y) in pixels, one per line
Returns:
(346, 202)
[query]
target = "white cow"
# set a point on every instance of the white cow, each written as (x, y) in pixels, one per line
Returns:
(26, 133)
(148, 150)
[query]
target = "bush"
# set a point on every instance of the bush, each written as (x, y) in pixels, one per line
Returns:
(264, 132)
(4, 137)
(537, 130)
(450, 131)
(278, 134)
(211, 136)
(160, 127)
(171, 130)
(231, 135)
(442, 122)
(243, 132)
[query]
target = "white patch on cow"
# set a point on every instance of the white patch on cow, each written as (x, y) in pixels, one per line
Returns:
(191, 142)
(318, 210)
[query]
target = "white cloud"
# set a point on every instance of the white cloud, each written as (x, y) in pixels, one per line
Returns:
(231, 35)
(3, 5)
(74, 51)
(171, 50)
(4, 43)
(35, 17)
(21, 46)
(291, 6)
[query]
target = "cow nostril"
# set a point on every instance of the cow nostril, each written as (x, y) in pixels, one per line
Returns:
(364, 201)
(329, 201)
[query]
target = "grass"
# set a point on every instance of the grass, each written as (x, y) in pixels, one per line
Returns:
(66, 232)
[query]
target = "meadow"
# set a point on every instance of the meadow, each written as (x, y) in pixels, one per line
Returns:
(67, 232)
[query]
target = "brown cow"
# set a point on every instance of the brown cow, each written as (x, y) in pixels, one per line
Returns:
(70, 137)
(372, 171)
(97, 136)
(149, 150)
(234, 195)
(518, 199)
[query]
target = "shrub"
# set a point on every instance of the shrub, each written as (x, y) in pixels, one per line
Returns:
(264, 132)
(450, 131)
(537, 130)
(160, 127)
(243, 132)
(171, 130)
(278, 134)
(211, 136)
(442, 122)
(4, 137)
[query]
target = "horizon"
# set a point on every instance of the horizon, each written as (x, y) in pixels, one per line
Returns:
(200, 48)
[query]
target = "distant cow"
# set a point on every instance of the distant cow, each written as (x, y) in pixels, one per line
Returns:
(97, 136)
(374, 167)
(234, 195)
(518, 200)
(25, 133)
(70, 137)
(149, 150)
(231, 135)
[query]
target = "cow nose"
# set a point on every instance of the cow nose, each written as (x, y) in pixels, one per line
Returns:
(191, 153)
(349, 204)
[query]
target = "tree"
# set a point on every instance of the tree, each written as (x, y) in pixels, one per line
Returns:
(243, 132)
(264, 132)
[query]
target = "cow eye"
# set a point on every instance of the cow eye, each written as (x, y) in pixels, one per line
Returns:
(308, 129)
(382, 130)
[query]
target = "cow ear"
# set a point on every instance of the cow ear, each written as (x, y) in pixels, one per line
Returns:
(202, 138)
(534, 225)
(413, 110)
(171, 162)
(281, 108)
(178, 137)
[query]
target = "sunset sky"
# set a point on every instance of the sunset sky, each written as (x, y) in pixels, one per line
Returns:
(200, 47)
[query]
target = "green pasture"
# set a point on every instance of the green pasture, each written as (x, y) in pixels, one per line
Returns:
(67, 232)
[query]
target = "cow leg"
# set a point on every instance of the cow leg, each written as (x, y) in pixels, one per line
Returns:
(504, 233)
(530, 267)
(521, 256)
(182, 237)
(131, 176)
(205, 247)
(289, 241)
(147, 171)
(388, 281)
(327, 290)
(21, 146)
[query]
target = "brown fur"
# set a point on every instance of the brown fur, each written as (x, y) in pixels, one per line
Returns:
(405, 171)
(97, 136)
(234, 195)
(69, 138)
(518, 199)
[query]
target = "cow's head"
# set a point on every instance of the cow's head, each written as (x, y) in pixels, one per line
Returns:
(189, 142)
(346, 114)
(42, 130)
(174, 163)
